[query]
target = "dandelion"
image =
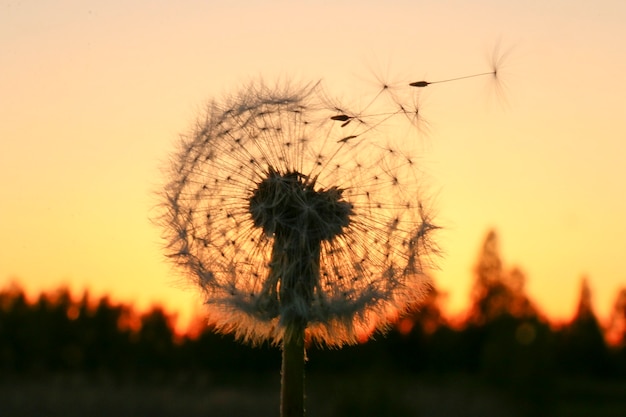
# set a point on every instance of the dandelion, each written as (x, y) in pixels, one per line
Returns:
(300, 220)
(283, 216)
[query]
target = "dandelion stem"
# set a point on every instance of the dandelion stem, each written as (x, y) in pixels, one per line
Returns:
(292, 378)
(299, 218)
(299, 265)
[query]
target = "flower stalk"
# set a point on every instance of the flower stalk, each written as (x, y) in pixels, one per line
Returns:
(292, 373)
(298, 217)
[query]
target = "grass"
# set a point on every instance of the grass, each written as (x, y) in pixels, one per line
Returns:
(374, 393)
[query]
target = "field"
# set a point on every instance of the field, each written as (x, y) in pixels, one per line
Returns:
(370, 394)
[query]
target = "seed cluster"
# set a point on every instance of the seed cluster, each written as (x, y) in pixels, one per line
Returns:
(281, 207)
(288, 203)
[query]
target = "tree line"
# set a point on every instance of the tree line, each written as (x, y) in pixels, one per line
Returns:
(503, 337)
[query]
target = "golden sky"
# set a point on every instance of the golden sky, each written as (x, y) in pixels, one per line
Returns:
(93, 95)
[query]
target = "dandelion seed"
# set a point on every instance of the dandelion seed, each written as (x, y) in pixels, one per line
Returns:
(497, 61)
(420, 84)
(341, 117)
(347, 138)
(427, 83)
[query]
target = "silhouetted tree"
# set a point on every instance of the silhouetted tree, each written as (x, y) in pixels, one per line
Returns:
(14, 314)
(105, 343)
(428, 316)
(409, 344)
(617, 333)
(505, 338)
(154, 341)
(211, 351)
(581, 346)
(497, 292)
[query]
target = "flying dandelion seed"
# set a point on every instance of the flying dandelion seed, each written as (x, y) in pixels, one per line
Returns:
(497, 61)
(427, 83)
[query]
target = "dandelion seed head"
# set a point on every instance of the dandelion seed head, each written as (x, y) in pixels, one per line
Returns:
(280, 212)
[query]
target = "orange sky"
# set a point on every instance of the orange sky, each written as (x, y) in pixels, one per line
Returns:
(94, 94)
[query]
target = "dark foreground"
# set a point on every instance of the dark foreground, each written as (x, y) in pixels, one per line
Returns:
(371, 394)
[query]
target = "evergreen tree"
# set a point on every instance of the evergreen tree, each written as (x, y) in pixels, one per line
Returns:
(505, 338)
(581, 346)
(154, 341)
(616, 332)
(497, 292)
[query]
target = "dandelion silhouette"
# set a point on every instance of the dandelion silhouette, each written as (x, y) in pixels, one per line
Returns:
(299, 219)
(281, 215)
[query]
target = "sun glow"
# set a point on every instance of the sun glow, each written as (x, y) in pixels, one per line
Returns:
(93, 95)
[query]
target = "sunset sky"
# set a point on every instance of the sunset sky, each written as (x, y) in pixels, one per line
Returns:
(93, 95)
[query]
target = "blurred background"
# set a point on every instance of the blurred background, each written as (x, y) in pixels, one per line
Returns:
(526, 174)
(77, 354)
